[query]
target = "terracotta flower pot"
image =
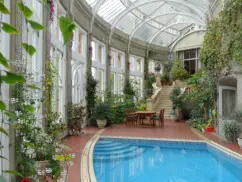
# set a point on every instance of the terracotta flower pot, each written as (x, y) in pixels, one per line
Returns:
(209, 129)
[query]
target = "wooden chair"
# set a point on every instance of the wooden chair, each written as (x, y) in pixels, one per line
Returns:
(131, 116)
(160, 118)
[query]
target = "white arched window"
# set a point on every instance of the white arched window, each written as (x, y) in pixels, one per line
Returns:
(78, 83)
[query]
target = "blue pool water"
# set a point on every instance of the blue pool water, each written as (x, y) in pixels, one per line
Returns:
(121, 160)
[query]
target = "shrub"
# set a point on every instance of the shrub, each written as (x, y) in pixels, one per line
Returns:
(150, 81)
(197, 112)
(177, 71)
(128, 89)
(177, 98)
(91, 93)
(232, 131)
(197, 123)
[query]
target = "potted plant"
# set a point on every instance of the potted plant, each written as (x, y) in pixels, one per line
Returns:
(238, 119)
(149, 82)
(177, 100)
(177, 71)
(173, 115)
(165, 79)
(209, 127)
(232, 131)
(76, 116)
(101, 112)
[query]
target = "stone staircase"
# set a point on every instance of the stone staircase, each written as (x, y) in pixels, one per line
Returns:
(164, 101)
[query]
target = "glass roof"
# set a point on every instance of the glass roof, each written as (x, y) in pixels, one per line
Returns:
(158, 22)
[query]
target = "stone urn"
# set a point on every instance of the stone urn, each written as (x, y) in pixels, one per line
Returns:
(240, 142)
(173, 117)
(101, 123)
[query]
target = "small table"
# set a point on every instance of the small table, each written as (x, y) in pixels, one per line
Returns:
(146, 113)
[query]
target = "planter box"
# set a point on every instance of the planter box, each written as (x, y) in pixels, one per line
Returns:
(41, 166)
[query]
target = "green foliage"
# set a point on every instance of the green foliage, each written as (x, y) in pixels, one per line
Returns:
(12, 78)
(177, 71)
(2, 130)
(203, 92)
(232, 131)
(56, 169)
(91, 96)
(9, 29)
(197, 112)
(197, 123)
(3, 8)
(3, 61)
(237, 115)
(141, 105)
(177, 99)
(222, 42)
(150, 80)
(67, 28)
(195, 80)
(27, 12)
(2, 105)
(35, 25)
(102, 111)
(118, 104)
(128, 90)
(48, 84)
(13, 172)
(165, 77)
(29, 49)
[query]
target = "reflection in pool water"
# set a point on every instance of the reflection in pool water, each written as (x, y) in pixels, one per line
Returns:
(129, 161)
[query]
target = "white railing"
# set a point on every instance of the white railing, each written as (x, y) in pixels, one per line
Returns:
(154, 99)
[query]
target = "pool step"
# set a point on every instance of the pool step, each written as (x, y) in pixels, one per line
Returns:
(120, 156)
(121, 151)
(113, 144)
(103, 142)
(112, 148)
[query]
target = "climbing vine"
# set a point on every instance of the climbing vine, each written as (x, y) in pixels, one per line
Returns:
(222, 43)
(33, 144)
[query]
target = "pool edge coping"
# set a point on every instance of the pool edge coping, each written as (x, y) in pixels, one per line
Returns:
(88, 169)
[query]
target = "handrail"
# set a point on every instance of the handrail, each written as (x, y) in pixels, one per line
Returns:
(153, 101)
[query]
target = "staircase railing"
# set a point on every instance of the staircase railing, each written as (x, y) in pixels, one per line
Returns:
(154, 99)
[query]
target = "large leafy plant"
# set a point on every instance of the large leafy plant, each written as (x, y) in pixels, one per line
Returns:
(91, 91)
(177, 99)
(222, 42)
(177, 71)
(102, 111)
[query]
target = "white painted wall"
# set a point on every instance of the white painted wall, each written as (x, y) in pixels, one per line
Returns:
(190, 41)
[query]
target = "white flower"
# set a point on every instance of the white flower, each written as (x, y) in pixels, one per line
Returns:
(48, 170)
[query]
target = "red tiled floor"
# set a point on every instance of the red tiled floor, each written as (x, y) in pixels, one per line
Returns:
(77, 144)
(231, 146)
(177, 130)
(171, 130)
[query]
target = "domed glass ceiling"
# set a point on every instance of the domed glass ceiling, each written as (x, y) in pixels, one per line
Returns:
(160, 22)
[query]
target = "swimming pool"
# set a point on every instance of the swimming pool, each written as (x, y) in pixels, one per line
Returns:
(132, 160)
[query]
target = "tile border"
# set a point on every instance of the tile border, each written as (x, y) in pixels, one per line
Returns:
(218, 146)
(87, 170)
(86, 167)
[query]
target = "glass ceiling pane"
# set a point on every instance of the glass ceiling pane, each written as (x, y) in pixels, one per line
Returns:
(110, 9)
(128, 23)
(142, 19)
(145, 32)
